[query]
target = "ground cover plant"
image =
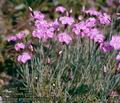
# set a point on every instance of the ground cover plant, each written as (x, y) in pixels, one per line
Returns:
(68, 57)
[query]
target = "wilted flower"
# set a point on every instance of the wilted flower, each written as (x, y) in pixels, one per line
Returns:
(19, 46)
(60, 9)
(24, 57)
(115, 42)
(64, 38)
(66, 20)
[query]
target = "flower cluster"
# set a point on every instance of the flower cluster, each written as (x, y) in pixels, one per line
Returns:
(20, 46)
(103, 18)
(64, 38)
(19, 36)
(64, 28)
(46, 29)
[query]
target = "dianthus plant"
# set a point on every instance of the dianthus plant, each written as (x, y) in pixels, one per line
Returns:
(69, 59)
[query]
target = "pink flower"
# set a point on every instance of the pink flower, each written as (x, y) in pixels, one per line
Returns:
(42, 34)
(41, 24)
(50, 33)
(118, 57)
(24, 57)
(76, 28)
(81, 29)
(98, 38)
(115, 42)
(38, 15)
(105, 47)
(66, 20)
(44, 29)
(21, 35)
(64, 38)
(91, 12)
(56, 24)
(11, 38)
(18, 36)
(96, 35)
(90, 22)
(38, 33)
(104, 18)
(19, 46)
(60, 9)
